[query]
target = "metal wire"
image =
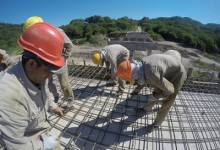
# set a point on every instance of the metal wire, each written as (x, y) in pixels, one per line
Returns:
(103, 120)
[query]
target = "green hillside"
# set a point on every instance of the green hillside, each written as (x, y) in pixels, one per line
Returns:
(96, 29)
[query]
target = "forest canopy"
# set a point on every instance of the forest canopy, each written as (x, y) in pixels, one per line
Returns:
(97, 29)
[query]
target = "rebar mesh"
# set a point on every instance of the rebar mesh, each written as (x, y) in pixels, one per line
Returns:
(102, 120)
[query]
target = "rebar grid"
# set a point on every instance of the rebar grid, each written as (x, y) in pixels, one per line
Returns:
(102, 120)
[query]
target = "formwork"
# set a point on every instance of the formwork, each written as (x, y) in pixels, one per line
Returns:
(103, 120)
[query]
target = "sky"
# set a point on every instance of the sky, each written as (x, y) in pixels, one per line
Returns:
(61, 12)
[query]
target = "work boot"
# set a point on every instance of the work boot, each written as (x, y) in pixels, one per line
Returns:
(152, 127)
(69, 103)
(110, 84)
(119, 92)
(134, 92)
(141, 112)
(56, 99)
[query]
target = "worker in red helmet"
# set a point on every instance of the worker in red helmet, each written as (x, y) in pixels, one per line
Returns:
(63, 77)
(24, 94)
(112, 55)
(164, 72)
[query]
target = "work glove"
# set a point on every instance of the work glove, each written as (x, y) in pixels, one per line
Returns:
(152, 98)
(49, 142)
(137, 90)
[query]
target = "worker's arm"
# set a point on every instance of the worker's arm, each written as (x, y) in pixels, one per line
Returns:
(14, 121)
(113, 63)
(162, 83)
(52, 105)
(5, 58)
(68, 46)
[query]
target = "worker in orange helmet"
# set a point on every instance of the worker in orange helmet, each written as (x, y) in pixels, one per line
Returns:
(63, 78)
(24, 94)
(112, 55)
(164, 72)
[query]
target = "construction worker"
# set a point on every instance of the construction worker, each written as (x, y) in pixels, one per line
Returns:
(164, 72)
(24, 93)
(112, 55)
(173, 53)
(5, 60)
(63, 78)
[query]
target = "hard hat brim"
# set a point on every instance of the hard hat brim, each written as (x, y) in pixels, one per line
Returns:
(59, 70)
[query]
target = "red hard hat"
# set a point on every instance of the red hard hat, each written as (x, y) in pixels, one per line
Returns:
(45, 41)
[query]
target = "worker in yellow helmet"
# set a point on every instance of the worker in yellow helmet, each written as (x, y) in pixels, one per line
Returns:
(63, 78)
(164, 72)
(112, 55)
(30, 21)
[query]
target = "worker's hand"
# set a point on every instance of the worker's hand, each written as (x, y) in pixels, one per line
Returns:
(135, 91)
(65, 56)
(3, 66)
(59, 111)
(49, 142)
(152, 98)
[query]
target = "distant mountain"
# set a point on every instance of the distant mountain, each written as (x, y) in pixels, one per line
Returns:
(185, 20)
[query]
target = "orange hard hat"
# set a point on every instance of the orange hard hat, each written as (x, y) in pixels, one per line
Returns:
(124, 70)
(45, 41)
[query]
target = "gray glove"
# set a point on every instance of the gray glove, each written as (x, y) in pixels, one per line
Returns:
(49, 142)
(137, 90)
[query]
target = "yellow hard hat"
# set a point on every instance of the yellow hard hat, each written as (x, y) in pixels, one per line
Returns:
(30, 21)
(96, 58)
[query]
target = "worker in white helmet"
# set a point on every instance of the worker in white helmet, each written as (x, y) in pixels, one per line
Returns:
(24, 93)
(112, 55)
(164, 72)
(63, 78)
